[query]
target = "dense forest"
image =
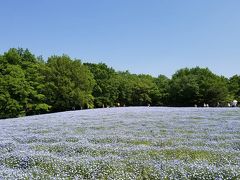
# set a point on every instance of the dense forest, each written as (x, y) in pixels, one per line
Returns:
(29, 85)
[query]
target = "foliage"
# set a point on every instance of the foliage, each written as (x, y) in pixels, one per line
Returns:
(162, 97)
(20, 84)
(138, 90)
(105, 90)
(234, 87)
(68, 84)
(197, 86)
(29, 85)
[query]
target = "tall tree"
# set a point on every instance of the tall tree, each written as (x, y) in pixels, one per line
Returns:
(105, 90)
(20, 91)
(137, 90)
(162, 96)
(234, 87)
(69, 84)
(197, 86)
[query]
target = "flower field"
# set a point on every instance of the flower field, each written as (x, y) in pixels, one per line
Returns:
(123, 143)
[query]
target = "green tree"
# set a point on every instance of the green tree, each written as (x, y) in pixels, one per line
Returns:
(69, 84)
(162, 96)
(14, 92)
(105, 91)
(145, 90)
(197, 86)
(137, 90)
(19, 93)
(126, 88)
(34, 69)
(234, 88)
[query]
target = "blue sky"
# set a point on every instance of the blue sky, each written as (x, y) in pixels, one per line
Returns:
(142, 36)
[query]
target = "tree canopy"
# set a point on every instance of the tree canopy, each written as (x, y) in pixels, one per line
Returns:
(69, 84)
(197, 86)
(29, 85)
(21, 84)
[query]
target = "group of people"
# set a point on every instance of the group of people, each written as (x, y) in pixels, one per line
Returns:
(234, 103)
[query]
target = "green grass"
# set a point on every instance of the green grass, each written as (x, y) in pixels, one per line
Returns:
(72, 139)
(190, 155)
(80, 130)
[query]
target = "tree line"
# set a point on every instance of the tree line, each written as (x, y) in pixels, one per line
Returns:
(29, 85)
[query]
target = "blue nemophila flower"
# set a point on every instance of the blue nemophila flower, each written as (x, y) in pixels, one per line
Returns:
(122, 143)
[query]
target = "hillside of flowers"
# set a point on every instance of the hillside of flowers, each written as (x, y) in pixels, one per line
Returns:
(123, 143)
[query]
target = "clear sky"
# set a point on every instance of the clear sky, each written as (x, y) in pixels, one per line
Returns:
(142, 36)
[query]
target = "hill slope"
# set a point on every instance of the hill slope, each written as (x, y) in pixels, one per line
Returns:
(123, 143)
